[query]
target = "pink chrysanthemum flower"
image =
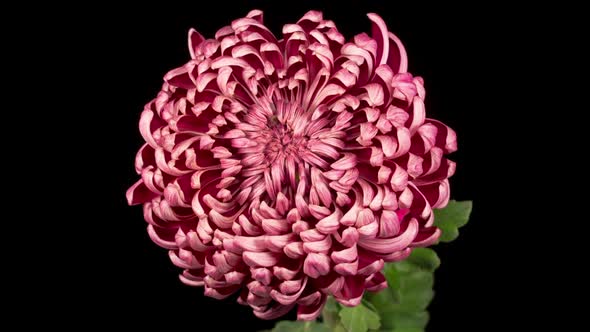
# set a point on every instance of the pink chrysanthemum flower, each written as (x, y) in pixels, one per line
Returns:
(289, 170)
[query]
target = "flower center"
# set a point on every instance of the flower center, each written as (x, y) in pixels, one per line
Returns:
(273, 141)
(282, 142)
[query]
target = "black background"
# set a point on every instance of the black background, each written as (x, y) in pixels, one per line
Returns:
(125, 279)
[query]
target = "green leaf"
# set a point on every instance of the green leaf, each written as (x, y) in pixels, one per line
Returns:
(339, 328)
(359, 319)
(369, 305)
(406, 320)
(381, 300)
(300, 326)
(330, 312)
(408, 329)
(402, 305)
(424, 258)
(316, 327)
(393, 282)
(451, 218)
(416, 291)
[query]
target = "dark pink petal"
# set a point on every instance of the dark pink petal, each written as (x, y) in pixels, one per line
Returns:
(446, 137)
(313, 310)
(311, 299)
(397, 255)
(312, 235)
(147, 125)
(330, 284)
(144, 158)
(398, 58)
(426, 237)
(346, 255)
(316, 265)
(194, 40)
(284, 273)
(418, 114)
(350, 217)
(292, 286)
(300, 226)
(310, 20)
(321, 246)
(352, 291)
(294, 250)
(369, 269)
(191, 280)
(288, 299)
(156, 234)
(234, 277)
(273, 312)
(377, 201)
(349, 237)
(388, 224)
(397, 116)
(330, 224)
(257, 15)
(264, 259)
(139, 193)
(399, 178)
(179, 77)
(433, 160)
(376, 283)
(184, 259)
(275, 226)
(384, 246)
(225, 31)
(276, 243)
(258, 302)
(347, 269)
(380, 34)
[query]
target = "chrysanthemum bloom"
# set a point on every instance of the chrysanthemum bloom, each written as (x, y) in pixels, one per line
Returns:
(289, 170)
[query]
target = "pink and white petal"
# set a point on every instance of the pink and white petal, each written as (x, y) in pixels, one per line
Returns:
(376, 283)
(139, 194)
(385, 246)
(257, 15)
(398, 58)
(380, 35)
(312, 311)
(194, 40)
(263, 259)
(426, 237)
(316, 265)
(352, 291)
(288, 299)
(273, 312)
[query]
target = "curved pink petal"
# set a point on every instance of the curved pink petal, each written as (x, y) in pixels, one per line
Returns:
(384, 246)
(313, 310)
(194, 40)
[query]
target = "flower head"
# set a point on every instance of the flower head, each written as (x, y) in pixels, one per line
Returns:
(291, 169)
